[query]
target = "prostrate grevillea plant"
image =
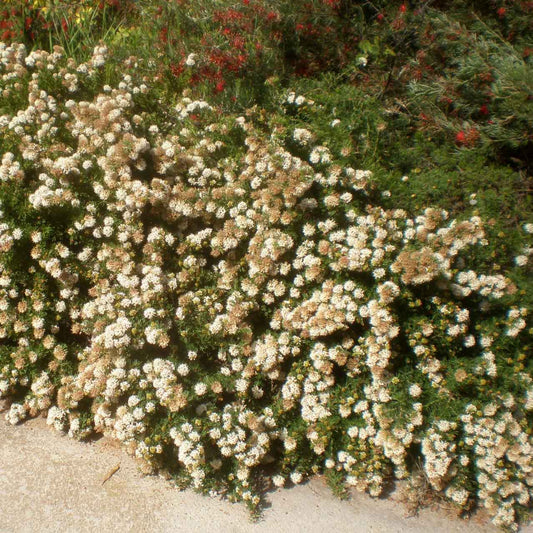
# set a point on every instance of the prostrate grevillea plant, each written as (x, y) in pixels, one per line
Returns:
(232, 303)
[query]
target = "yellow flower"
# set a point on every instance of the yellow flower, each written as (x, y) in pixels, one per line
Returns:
(81, 14)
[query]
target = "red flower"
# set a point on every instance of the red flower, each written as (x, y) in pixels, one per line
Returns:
(176, 69)
(484, 110)
(398, 24)
(501, 12)
(64, 25)
(380, 17)
(238, 42)
(472, 136)
(219, 87)
(467, 138)
(403, 8)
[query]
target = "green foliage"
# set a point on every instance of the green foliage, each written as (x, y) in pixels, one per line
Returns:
(335, 481)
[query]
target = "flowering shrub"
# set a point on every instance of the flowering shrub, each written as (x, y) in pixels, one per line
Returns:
(453, 71)
(235, 47)
(482, 90)
(231, 302)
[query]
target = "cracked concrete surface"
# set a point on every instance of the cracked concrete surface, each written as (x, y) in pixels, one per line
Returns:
(50, 483)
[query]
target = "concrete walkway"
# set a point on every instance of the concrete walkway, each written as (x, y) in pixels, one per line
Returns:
(50, 483)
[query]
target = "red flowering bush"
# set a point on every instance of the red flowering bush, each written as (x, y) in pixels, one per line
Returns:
(251, 41)
(451, 67)
(466, 75)
(20, 20)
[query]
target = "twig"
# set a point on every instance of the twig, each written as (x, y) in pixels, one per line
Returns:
(111, 473)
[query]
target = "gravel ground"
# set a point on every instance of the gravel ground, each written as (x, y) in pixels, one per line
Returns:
(50, 483)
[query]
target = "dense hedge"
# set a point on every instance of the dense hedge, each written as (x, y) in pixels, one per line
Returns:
(228, 298)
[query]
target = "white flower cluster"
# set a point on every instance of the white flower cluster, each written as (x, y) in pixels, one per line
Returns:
(500, 444)
(298, 100)
(10, 169)
(214, 298)
(302, 136)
